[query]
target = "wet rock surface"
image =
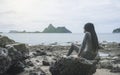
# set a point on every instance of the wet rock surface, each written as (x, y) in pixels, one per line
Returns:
(12, 56)
(47, 59)
(4, 40)
(112, 61)
(53, 53)
(73, 66)
(5, 60)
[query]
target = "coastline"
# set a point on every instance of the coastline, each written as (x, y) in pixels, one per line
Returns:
(112, 51)
(40, 57)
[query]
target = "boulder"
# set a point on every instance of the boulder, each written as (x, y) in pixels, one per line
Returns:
(16, 68)
(29, 63)
(116, 65)
(45, 63)
(39, 53)
(4, 40)
(5, 60)
(23, 48)
(73, 66)
(107, 64)
(12, 56)
(33, 73)
(37, 73)
(18, 51)
(115, 68)
(113, 64)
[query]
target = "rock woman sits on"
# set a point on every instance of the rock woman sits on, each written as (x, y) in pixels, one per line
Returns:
(90, 45)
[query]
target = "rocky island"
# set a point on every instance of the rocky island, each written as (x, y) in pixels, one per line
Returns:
(117, 30)
(52, 29)
(49, 29)
(24, 31)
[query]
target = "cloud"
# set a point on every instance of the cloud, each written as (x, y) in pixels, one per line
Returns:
(37, 14)
(7, 12)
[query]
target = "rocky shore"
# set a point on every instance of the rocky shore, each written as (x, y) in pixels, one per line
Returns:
(22, 59)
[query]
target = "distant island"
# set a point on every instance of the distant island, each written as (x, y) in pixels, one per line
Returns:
(49, 29)
(117, 30)
(52, 29)
(24, 31)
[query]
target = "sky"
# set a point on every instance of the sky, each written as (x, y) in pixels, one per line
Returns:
(35, 15)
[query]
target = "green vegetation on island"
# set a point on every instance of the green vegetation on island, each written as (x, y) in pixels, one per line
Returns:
(52, 29)
(117, 30)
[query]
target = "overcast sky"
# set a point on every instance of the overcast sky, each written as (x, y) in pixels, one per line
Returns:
(35, 15)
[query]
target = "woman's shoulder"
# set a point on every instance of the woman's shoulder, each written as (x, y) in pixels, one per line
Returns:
(87, 33)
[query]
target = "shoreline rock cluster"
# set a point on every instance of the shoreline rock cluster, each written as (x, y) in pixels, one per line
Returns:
(12, 55)
(112, 61)
(21, 59)
(111, 49)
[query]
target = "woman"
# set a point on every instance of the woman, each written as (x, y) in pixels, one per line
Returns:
(89, 47)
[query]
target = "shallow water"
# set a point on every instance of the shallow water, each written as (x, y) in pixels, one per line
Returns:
(58, 38)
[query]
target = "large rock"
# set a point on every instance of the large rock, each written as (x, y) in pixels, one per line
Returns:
(16, 68)
(5, 60)
(12, 58)
(107, 64)
(73, 66)
(18, 51)
(115, 68)
(39, 53)
(113, 64)
(4, 40)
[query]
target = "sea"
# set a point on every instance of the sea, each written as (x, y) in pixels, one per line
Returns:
(58, 38)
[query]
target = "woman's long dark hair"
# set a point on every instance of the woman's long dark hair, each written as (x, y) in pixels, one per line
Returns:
(90, 28)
